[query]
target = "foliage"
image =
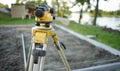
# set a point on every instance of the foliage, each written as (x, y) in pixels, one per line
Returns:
(82, 3)
(102, 13)
(3, 5)
(61, 8)
(17, 1)
(43, 2)
(30, 4)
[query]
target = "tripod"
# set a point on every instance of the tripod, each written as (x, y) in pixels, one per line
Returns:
(37, 52)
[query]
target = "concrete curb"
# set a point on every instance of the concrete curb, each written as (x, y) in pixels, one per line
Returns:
(96, 43)
(106, 67)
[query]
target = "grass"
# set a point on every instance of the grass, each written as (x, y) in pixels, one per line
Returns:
(109, 38)
(11, 21)
(5, 19)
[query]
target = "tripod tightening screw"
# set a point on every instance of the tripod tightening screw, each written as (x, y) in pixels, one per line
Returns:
(37, 53)
(62, 45)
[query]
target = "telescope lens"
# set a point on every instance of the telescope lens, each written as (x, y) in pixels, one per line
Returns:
(39, 13)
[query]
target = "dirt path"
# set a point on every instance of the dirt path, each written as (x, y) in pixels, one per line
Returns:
(79, 53)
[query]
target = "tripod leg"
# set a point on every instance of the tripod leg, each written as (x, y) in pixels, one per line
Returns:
(39, 54)
(61, 53)
(39, 66)
(42, 59)
(31, 59)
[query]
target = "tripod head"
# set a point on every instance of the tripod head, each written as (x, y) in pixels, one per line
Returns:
(44, 14)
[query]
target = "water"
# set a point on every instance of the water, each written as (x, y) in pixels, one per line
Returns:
(109, 22)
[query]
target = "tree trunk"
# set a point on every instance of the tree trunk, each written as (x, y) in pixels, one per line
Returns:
(58, 7)
(96, 13)
(81, 12)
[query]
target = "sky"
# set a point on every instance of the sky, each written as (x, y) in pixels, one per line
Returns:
(110, 5)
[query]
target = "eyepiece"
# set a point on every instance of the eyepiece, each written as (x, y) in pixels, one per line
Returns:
(52, 10)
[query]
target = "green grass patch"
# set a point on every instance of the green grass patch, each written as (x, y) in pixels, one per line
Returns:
(5, 19)
(109, 38)
(11, 21)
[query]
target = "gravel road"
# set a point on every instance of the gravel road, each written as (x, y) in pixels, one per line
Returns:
(79, 53)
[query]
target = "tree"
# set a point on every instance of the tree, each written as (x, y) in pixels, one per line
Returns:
(3, 5)
(38, 2)
(64, 9)
(96, 12)
(17, 1)
(21, 1)
(81, 9)
(61, 7)
(56, 6)
(82, 2)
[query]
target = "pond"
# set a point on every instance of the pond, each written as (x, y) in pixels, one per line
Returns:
(110, 22)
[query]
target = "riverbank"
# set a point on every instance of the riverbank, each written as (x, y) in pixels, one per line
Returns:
(110, 22)
(110, 38)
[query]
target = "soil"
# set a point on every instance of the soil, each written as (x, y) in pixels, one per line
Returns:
(79, 53)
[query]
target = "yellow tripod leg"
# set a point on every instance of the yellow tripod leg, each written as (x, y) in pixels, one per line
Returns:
(61, 53)
(35, 67)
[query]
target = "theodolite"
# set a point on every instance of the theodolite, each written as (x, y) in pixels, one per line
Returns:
(44, 15)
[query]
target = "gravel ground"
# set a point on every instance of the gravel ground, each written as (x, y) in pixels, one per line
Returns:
(79, 53)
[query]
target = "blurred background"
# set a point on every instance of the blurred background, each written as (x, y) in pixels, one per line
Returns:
(80, 11)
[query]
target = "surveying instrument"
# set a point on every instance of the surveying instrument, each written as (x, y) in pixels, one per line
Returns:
(40, 33)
